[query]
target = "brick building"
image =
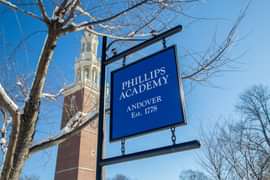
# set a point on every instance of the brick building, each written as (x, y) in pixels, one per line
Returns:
(76, 158)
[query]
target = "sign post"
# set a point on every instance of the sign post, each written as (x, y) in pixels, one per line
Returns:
(101, 111)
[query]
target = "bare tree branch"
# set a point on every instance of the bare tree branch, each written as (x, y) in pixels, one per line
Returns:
(52, 97)
(20, 82)
(88, 24)
(79, 119)
(74, 27)
(71, 10)
(16, 8)
(7, 102)
(212, 64)
(242, 145)
(43, 11)
(9, 157)
(6, 122)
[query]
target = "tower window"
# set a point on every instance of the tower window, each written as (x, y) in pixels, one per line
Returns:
(83, 47)
(79, 75)
(94, 48)
(94, 75)
(86, 73)
(88, 46)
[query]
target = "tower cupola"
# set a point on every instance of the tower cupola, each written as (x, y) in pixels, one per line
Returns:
(87, 66)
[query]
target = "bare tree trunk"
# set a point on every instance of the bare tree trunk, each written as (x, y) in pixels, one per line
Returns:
(11, 147)
(28, 119)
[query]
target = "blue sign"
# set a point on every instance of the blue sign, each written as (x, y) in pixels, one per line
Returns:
(146, 95)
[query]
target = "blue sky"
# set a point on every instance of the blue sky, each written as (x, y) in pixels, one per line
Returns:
(206, 105)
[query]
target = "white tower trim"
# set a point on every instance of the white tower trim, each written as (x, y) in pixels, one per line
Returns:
(87, 66)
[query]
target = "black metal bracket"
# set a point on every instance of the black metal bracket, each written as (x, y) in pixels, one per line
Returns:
(164, 43)
(144, 44)
(153, 152)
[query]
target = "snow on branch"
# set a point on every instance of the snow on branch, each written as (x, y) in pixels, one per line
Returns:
(8, 108)
(86, 24)
(52, 97)
(16, 8)
(71, 128)
(74, 125)
(21, 83)
(126, 38)
(6, 102)
(3, 130)
(117, 14)
(85, 13)
(77, 27)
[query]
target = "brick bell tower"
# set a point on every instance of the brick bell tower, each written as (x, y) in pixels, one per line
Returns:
(76, 158)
